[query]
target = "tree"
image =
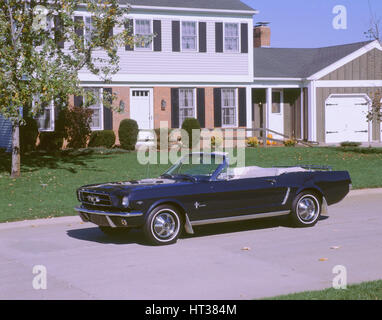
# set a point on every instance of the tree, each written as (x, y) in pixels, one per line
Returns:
(375, 30)
(375, 111)
(43, 48)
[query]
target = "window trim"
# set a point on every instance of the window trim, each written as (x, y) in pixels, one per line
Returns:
(239, 38)
(101, 115)
(281, 101)
(196, 36)
(236, 93)
(151, 49)
(195, 104)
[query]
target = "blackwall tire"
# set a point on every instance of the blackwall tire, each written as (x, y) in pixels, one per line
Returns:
(306, 209)
(163, 225)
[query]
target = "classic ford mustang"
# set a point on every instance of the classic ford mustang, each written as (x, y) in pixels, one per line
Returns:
(202, 189)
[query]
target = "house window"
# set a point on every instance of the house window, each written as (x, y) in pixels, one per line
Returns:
(231, 37)
(89, 30)
(143, 33)
(189, 36)
(186, 104)
(229, 107)
(45, 118)
(276, 102)
(96, 106)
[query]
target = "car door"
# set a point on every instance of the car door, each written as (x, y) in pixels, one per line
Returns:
(227, 198)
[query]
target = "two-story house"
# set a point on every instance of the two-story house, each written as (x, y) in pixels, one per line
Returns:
(199, 65)
(208, 61)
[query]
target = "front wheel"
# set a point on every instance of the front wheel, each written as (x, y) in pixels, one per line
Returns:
(306, 209)
(163, 225)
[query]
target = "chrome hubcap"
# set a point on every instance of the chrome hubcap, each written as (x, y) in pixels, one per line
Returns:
(307, 209)
(164, 225)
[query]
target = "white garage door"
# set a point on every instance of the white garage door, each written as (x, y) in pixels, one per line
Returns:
(345, 118)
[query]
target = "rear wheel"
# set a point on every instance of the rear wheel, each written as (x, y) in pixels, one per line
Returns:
(163, 225)
(306, 209)
(114, 231)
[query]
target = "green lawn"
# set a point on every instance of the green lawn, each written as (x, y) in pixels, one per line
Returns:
(364, 291)
(48, 183)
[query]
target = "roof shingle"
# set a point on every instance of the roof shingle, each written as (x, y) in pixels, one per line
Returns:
(194, 4)
(299, 63)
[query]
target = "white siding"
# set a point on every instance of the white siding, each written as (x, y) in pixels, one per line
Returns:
(177, 66)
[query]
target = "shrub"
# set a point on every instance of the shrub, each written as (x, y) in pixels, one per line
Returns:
(290, 143)
(188, 126)
(350, 144)
(128, 134)
(28, 135)
(104, 138)
(253, 142)
(50, 141)
(76, 126)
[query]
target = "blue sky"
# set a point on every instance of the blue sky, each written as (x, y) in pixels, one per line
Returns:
(308, 23)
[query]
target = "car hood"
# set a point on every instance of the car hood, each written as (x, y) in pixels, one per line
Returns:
(129, 185)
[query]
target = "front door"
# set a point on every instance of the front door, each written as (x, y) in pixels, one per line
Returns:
(141, 109)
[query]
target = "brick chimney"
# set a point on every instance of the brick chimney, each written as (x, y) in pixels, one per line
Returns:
(262, 35)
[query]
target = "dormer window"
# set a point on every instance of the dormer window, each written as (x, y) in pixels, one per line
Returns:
(231, 37)
(189, 36)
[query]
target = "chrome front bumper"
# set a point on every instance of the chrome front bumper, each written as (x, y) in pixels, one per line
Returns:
(121, 219)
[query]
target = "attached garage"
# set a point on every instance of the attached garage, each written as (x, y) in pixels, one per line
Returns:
(346, 118)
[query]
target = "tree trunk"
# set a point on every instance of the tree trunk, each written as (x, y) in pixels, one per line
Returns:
(15, 151)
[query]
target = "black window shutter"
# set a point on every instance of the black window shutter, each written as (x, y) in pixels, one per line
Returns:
(176, 36)
(217, 107)
(108, 112)
(202, 37)
(129, 26)
(242, 107)
(174, 108)
(58, 32)
(79, 28)
(201, 100)
(157, 25)
(244, 38)
(78, 101)
(219, 36)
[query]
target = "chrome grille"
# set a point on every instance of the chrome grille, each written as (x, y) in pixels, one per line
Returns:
(95, 199)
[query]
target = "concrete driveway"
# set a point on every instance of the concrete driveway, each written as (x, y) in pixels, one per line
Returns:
(230, 261)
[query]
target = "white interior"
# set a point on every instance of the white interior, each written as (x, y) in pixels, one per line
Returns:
(258, 172)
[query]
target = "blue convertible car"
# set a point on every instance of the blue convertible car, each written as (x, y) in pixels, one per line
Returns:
(202, 189)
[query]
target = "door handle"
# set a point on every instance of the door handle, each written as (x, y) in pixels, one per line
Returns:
(272, 181)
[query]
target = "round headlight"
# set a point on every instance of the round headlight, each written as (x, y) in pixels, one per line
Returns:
(125, 202)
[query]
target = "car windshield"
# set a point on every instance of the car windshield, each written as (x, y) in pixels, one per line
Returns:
(196, 165)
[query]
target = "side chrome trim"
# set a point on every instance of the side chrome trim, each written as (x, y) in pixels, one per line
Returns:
(110, 214)
(286, 196)
(240, 218)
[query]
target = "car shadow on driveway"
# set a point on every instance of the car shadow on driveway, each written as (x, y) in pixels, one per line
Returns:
(93, 234)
